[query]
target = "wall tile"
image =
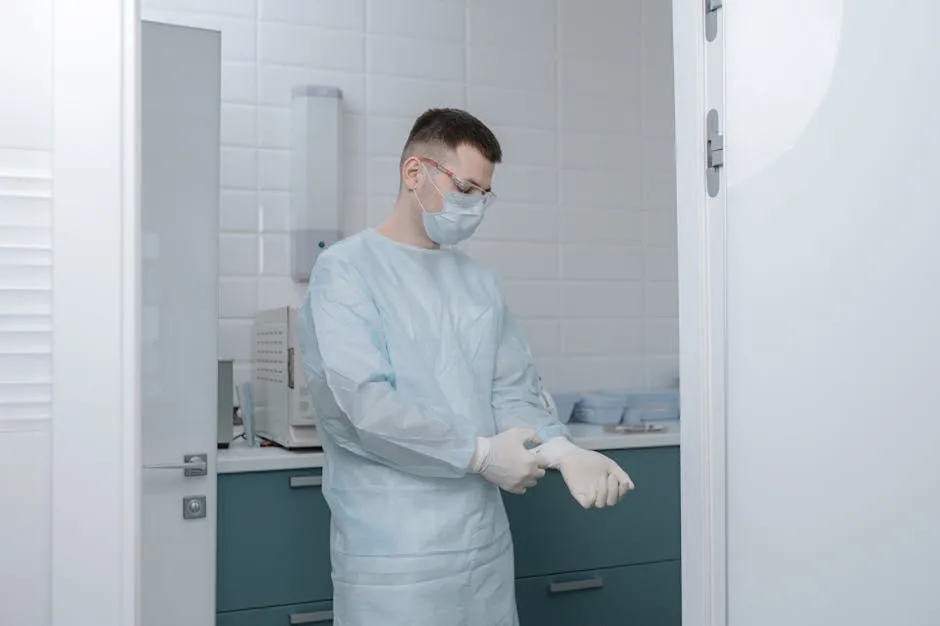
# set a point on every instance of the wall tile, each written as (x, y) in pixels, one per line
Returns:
(610, 227)
(238, 255)
(275, 211)
(239, 211)
(526, 146)
(308, 46)
(601, 262)
(504, 67)
(408, 98)
(517, 260)
(408, 58)
(602, 337)
(239, 125)
(238, 82)
(498, 106)
(508, 221)
(434, 20)
(605, 300)
(501, 23)
(239, 168)
(238, 297)
(240, 8)
(345, 15)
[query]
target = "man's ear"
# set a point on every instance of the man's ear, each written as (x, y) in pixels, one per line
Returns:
(410, 173)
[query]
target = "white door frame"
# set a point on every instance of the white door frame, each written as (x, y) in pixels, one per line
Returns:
(699, 86)
(95, 443)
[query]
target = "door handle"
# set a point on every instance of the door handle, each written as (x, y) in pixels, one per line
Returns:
(193, 465)
(317, 617)
(306, 481)
(576, 585)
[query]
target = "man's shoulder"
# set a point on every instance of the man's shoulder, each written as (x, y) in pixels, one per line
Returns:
(346, 252)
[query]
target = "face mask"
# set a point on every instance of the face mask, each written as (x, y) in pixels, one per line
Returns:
(457, 220)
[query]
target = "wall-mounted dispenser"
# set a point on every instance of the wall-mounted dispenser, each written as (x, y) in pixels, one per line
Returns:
(316, 177)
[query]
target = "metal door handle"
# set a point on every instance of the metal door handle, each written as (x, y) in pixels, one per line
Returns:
(305, 481)
(193, 465)
(576, 585)
(317, 617)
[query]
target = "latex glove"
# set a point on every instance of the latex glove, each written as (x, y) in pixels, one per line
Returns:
(505, 461)
(593, 479)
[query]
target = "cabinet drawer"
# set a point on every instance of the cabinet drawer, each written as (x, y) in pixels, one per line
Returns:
(273, 540)
(316, 614)
(636, 595)
(553, 534)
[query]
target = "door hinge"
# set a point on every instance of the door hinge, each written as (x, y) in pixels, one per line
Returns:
(711, 18)
(714, 152)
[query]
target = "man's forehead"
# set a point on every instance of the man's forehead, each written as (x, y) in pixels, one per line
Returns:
(469, 162)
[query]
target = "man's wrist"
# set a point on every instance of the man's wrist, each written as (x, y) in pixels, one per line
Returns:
(554, 449)
(478, 460)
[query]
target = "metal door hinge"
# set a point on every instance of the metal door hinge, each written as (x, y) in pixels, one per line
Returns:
(714, 152)
(711, 18)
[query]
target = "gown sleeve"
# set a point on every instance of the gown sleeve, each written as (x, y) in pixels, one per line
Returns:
(344, 352)
(517, 398)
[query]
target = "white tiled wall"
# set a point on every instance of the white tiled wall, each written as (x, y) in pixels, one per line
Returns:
(579, 93)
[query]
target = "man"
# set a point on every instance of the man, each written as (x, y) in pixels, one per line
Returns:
(427, 400)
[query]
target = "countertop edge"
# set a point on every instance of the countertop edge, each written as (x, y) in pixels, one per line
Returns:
(240, 458)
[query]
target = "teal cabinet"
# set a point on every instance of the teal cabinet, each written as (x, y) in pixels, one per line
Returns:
(319, 614)
(273, 540)
(553, 534)
(616, 566)
(635, 595)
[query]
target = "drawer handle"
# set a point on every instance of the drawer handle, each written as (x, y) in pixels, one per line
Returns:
(305, 481)
(317, 617)
(576, 585)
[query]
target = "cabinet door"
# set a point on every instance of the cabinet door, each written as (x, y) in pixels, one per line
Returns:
(638, 595)
(553, 534)
(317, 614)
(273, 540)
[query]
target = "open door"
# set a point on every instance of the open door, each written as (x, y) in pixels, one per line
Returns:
(180, 85)
(811, 300)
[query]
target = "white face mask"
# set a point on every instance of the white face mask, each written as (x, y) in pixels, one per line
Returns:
(459, 218)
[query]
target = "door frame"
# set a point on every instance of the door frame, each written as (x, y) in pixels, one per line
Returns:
(699, 86)
(96, 303)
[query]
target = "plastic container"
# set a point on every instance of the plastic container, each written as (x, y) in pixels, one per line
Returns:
(604, 408)
(656, 405)
(565, 402)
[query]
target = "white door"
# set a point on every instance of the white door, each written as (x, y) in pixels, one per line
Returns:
(833, 312)
(180, 83)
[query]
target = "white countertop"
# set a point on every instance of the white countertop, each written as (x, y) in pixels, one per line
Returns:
(240, 458)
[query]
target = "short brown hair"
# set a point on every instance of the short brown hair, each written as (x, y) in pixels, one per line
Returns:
(451, 128)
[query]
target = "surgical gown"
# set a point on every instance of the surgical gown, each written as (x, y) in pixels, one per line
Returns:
(410, 355)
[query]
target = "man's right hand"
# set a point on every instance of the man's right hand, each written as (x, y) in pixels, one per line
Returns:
(505, 461)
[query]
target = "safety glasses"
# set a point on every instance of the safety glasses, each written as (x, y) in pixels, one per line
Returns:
(463, 186)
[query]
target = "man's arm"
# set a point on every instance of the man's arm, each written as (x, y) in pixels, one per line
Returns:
(340, 321)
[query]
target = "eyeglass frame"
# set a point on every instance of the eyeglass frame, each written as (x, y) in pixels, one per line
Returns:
(460, 183)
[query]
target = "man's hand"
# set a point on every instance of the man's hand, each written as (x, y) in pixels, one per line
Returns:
(593, 479)
(505, 461)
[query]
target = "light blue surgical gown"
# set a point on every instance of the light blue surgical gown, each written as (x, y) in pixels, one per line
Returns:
(410, 355)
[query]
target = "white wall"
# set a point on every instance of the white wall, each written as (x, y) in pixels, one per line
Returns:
(580, 94)
(25, 310)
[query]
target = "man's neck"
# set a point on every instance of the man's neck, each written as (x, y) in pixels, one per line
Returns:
(404, 226)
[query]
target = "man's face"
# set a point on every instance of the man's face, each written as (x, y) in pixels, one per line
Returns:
(469, 172)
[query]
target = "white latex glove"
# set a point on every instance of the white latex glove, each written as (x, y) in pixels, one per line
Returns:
(592, 478)
(505, 461)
